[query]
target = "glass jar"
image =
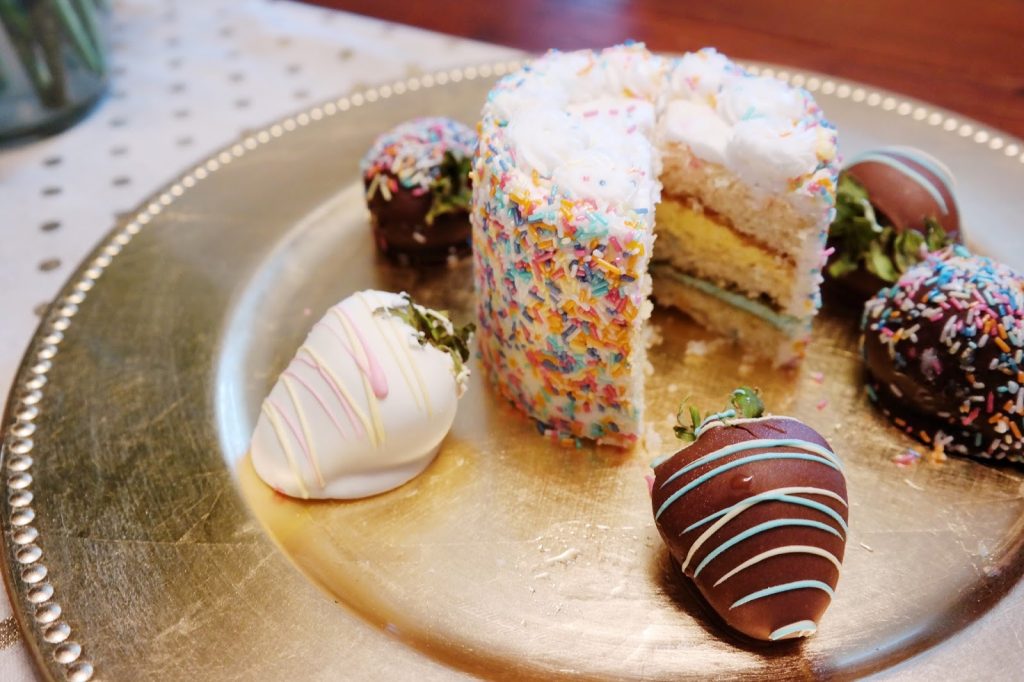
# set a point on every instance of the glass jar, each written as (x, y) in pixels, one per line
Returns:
(53, 63)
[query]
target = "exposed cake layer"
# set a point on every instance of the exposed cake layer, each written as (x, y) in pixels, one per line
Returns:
(770, 136)
(764, 331)
(693, 241)
(796, 230)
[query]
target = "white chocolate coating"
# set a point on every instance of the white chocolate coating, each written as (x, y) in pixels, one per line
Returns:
(361, 409)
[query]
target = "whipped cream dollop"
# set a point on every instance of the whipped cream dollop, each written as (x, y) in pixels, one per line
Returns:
(582, 121)
(365, 403)
(616, 109)
(764, 130)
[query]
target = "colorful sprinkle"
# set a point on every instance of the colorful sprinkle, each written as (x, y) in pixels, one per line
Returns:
(561, 268)
(975, 356)
(412, 153)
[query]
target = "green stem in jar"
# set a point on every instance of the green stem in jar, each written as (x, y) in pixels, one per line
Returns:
(37, 32)
(79, 26)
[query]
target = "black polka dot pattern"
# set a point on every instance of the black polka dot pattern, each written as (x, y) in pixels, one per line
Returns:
(185, 79)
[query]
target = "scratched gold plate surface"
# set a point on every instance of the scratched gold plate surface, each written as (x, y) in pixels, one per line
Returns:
(510, 557)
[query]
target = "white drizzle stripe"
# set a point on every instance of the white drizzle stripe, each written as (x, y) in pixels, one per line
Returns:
(371, 397)
(340, 386)
(941, 170)
(316, 396)
(733, 512)
(403, 358)
(785, 587)
(732, 464)
(347, 345)
(758, 529)
(418, 397)
(389, 330)
(778, 551)
(801, 628)
(287, 450)
(719, 416)
(753, 444)
(902, 167)
(403, 345)
(780, 495)
(307, 433)
(338, 394)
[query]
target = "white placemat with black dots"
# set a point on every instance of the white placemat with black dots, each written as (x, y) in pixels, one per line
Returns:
(187, 78)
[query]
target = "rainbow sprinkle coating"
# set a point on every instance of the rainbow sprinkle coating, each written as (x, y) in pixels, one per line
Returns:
(410, 155)
(562, 287)
(565, 183)
(953, 325)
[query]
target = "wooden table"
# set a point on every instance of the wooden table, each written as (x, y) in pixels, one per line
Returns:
(965, 56)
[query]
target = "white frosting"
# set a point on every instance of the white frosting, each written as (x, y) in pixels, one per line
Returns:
(698, 126)
(361, 409)
(763, 130)
(545, 137)
(759, 128)
(700, 75)
(598, 148)
(759, 98)
(764, 155)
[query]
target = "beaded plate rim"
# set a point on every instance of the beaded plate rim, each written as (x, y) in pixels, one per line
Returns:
(34, 602)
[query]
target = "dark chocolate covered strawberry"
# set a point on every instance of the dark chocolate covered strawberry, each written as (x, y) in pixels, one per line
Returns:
(893, 206)
(755, 511)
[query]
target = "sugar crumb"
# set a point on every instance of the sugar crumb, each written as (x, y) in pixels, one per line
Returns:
(697, 347)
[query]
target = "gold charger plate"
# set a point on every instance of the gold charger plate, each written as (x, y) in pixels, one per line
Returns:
(138, 542)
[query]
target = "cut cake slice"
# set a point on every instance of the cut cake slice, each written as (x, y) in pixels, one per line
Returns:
(566, 185)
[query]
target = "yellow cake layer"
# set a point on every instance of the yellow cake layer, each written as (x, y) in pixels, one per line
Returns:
(790, 225)
(696, 242)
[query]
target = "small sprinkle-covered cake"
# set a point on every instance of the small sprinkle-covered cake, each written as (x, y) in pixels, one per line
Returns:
(582, 157)
(944, 352)
(894, 205)
(417, 189)
(755, 511)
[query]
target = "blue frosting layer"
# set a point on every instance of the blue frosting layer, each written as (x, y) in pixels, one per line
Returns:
(787, 323)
